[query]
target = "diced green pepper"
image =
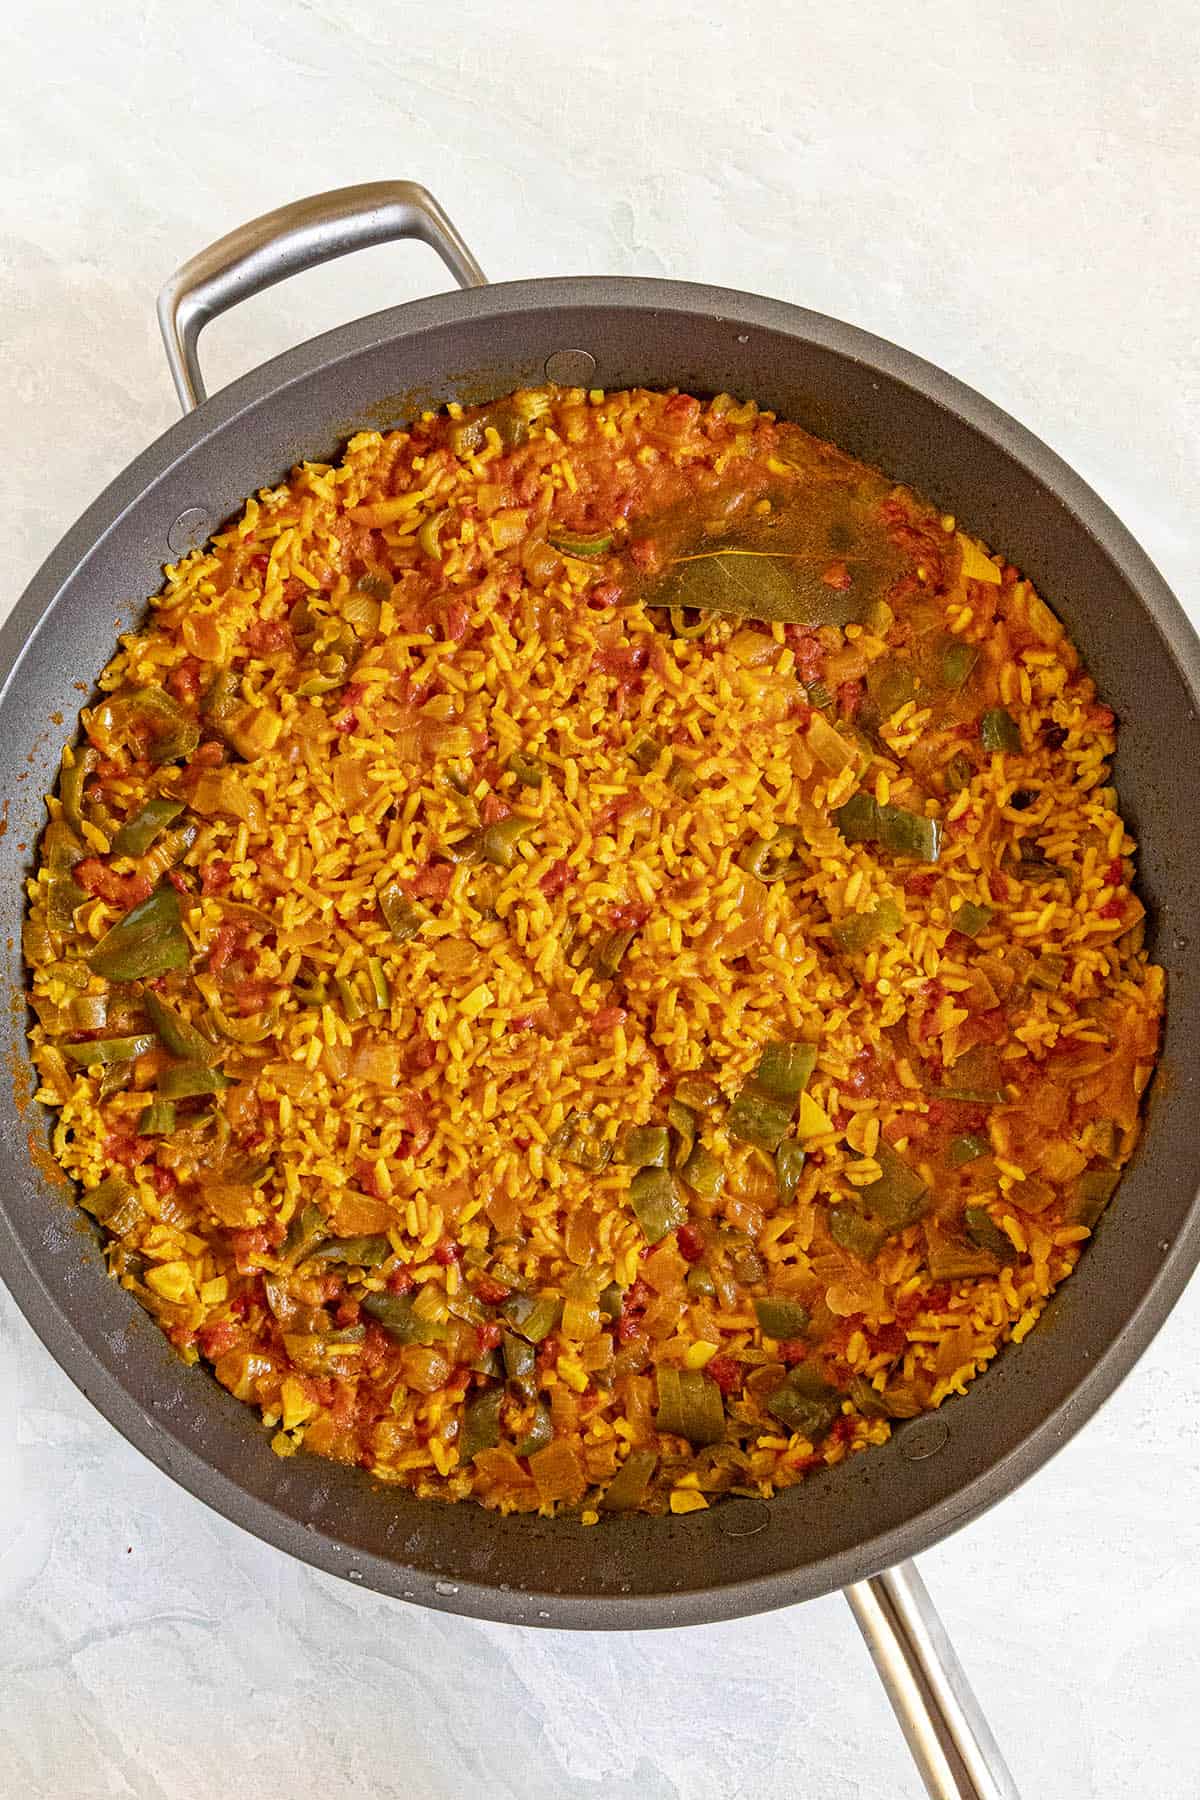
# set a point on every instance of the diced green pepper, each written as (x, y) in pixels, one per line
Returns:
(381, 991)
(699, 1282)
(1048, 971)
(690, 1405)
(396, 1314)
(862, 820)
(966, 1149)
(682, 1121)
(534, 1316)
(582, 1140)
(781, 1318)
(1092, 1192)
(627, 1489)
(579, 543)
(950, 1259)
(609, 953)
(498, 841)
(352, 1006)
(356, 1252)
(956, 662)
(789, 1165)
(784, 1070)
(611, 1300)
(70, 786)
(402, 918)
(178, 1034)
(108, 1050)
(960, 772)
(187, 1079)
(541, 1430)
(868, 1400)
(857, 933)
(157, 1119)
(645, 753)
(520, 1364)
(114, 1203)
(657, 1203)
(986, 1234)
(148, 941)
(758, 1118)
(138, 833)
(529, 770)
(971, 919)
(804, 1402)
(645, 1147)
(998, 730)
(481, 1424)
(863, 1237)
(899, 1197)
(703, 1173)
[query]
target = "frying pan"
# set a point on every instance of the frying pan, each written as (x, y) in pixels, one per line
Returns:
(840, 1527)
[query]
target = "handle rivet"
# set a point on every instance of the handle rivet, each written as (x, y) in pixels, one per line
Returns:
(571, 368)
(924, 1437)
(741, 1518)
(189, 531)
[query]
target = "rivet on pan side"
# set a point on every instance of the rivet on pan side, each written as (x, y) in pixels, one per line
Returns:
(571, 368)
(189, 531)
(924, 1437)
(742, 1518)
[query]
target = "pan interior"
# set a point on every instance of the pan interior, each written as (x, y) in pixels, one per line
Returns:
(922, 428)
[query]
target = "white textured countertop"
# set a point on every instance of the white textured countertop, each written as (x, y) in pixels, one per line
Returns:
(1012, 189)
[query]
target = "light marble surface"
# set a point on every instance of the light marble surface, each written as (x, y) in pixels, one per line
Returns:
(1012, 189)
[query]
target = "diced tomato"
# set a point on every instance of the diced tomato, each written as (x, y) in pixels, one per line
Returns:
(491, 1291)
(628, 915)
(644, 554)
(178, 881)
(691, 1243)
(122, 891)
(1113, 909)
(345, 723)
(165, 1181)
(494, 809)
(422, 1053)
(222, 948)
(890, 1338)
(247, 1246)
(1114, 875)
(216, 876)
(920, 885)
(456, 618)
(128, 1150)
(605, 593)
(184, 682)
(1103, 717)
(837, 576)
(625, 661)
(447, 1254)
(608, 1018)
(209, 756)
(850, 698)
(806, 648)
(726, 1372)
(490, 1335)
(400, 1282)
(215, 1339)
(432, 881)
(266, 636)
(793, 1351)
(799, 710)
(558, 876)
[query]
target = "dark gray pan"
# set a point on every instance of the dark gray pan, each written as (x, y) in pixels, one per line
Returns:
(922, 427)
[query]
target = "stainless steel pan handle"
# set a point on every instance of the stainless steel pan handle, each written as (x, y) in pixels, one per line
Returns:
(288, 241)
(950, 1740)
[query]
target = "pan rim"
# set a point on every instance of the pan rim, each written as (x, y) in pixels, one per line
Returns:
(483, 1599)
